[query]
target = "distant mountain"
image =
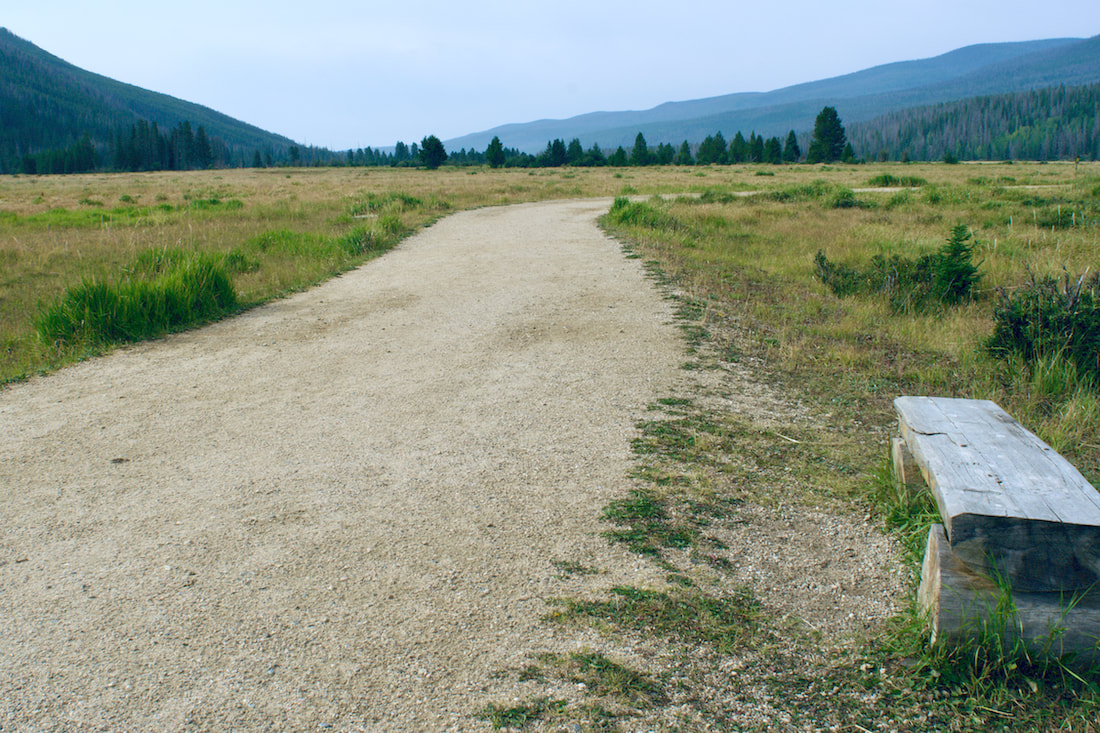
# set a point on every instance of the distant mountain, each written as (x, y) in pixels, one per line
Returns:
(47, 103)
(985, 69)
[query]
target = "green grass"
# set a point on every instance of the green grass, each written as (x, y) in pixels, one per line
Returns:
(724, 623)
(890, 180)
(170, 289)
(518, 716)
(190, 291)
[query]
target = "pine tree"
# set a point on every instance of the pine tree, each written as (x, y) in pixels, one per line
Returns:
(432, 153)
(574, 152)
(664, 155)
(203, 152)
(558, 154)
(791, 153)
(773, 151)
(829, 138)
(595, 156)
(400, 152)
(683, 157)
(756, 148)
(739, 149)
(495, 153)
(639, 156)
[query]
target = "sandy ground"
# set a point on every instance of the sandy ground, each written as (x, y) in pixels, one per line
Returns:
(337, 511)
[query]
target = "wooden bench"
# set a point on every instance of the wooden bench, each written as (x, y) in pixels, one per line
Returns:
(1017, 517)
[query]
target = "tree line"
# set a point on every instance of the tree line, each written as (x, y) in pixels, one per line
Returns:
(829, 143)
(143, 146)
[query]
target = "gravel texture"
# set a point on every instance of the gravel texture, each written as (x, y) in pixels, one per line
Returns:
(340, 510)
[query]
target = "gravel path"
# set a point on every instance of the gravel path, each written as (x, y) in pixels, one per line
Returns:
(337, 511)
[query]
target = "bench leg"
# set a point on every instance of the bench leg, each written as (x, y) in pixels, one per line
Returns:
(907, 473)
(961, 604)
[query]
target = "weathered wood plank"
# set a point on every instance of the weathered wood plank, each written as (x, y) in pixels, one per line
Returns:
(961, 603)
(1010, 503)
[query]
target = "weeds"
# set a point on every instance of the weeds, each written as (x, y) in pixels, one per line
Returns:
(518, 716)
(681, 615)
(605, 678)
(648, 528)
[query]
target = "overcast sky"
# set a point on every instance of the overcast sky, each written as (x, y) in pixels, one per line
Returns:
(344, 74)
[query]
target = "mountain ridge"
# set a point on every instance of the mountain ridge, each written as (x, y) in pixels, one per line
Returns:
(968, 71)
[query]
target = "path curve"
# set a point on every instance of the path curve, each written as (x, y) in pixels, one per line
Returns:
(339, 510)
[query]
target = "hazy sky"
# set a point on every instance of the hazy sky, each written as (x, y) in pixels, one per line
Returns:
(344, 74)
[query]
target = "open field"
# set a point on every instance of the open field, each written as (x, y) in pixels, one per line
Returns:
(758, 481)
(58, 231)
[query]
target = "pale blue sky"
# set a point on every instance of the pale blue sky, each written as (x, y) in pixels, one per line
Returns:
(346, 74)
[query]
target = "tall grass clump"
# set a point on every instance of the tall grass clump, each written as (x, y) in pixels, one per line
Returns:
(889, 180)
(640, 214)
(95, 313)
(373, 203)
(813, 191)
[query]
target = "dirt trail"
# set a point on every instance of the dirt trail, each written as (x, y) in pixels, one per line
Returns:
(337, 511)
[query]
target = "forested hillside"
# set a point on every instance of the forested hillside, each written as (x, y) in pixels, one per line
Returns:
(1059, 123)
(53, 113)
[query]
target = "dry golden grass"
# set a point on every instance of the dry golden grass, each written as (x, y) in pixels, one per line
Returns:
(752, 258)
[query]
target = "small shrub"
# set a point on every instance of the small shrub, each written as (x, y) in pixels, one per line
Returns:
(1050, 318)
(954, 275)
(946, 277)
(843, 198)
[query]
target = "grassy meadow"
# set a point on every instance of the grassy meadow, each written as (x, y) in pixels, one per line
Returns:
(739, 256)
